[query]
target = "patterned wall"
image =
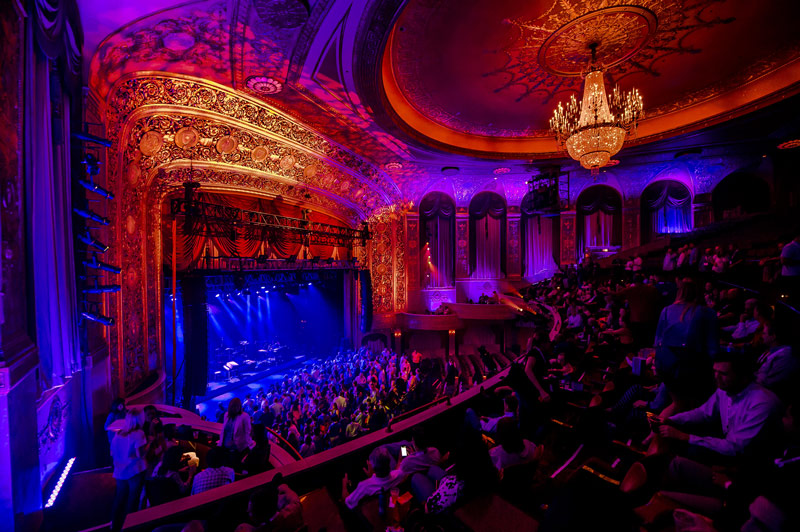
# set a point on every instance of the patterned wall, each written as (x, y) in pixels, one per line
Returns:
(462, 245)
(513, 247)
(568, 237)
(412, 250)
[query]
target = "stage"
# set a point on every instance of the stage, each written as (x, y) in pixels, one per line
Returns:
(239, 331)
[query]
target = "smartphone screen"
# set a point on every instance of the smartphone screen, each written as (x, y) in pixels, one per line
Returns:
(404, 451)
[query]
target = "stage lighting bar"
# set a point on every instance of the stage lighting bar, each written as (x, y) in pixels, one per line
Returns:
(91, 186)
(102, 289)
(87, 137)
(98, 265)
(212, 217)
(99, 318)
(90, 241)
(91, 215)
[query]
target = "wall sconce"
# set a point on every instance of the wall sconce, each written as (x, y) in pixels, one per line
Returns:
(397, 333)
(451, 332)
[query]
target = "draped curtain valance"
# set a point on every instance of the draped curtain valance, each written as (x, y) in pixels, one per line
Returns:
(437, 204)
(666, 193)
(58, 32)
(599, 198)
(487, 203)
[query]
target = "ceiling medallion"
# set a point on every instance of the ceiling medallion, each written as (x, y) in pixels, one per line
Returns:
(264, 85)
(502, 170)
(394, 165)
(617, 31)
(595, 129)
(789, 144)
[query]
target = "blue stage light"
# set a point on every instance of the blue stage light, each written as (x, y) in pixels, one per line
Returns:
(309, 284)
(217, 295)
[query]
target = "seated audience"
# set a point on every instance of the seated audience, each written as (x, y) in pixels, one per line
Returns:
(512, 449)
(381, 477)
(215, 474)
(739, 410)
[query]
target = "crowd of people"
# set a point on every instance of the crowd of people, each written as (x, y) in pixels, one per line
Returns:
(698, 376)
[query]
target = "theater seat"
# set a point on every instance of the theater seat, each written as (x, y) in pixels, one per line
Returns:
(487, 513)
(160, 490)
(320, 512)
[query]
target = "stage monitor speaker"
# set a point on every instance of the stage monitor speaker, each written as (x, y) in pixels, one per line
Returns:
(366, 300)
(195, 337)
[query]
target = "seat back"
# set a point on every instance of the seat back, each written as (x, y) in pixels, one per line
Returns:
(160, 490)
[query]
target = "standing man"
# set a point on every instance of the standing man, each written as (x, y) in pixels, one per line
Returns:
(790, 269)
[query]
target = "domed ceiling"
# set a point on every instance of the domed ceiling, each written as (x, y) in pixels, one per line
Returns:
(413, 86)
(485, 75)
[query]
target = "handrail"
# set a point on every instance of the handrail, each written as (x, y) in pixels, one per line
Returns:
(146, 519)
(419, 409)
(285, 442)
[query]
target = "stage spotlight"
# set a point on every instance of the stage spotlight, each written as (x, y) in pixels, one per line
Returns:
(309, 284)
(103, 289)
(92, 164)
(87, 239)
(99, 318)
(97, 189)
(89, 215)
(217, 295)
(97, 265)
(273, 287)
(91, 138)
(267, 292)
(263, 287)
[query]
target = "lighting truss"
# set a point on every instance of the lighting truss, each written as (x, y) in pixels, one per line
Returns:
(213, 218)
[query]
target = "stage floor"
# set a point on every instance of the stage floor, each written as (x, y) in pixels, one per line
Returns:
(222, 392)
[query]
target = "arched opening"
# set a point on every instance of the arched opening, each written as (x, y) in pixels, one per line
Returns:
(487, 235)
(437, 214)
(538, 251)
(599, 220)
(666, 208)
(740, 194)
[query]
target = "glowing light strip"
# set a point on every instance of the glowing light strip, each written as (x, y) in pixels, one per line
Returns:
(60, 483)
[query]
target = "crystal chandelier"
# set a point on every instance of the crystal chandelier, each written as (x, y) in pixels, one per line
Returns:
(594, 130)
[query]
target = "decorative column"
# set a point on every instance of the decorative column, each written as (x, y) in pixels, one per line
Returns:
(702, 210)
(513, 248)
(462, 243)
(568, 236)
(631, 232)
(412, 251)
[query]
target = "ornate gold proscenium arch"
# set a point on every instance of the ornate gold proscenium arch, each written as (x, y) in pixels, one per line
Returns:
(165, 130)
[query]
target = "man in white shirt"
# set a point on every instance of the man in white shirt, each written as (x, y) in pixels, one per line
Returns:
(790, 269)
(382, 478)
(739, 409)
(777, 366)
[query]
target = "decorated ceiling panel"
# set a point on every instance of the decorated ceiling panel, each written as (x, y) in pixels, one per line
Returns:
(464, 72)
(405, 88)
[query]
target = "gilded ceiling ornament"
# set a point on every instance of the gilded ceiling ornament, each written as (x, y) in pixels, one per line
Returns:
(151, 142)
(259, 154)
(310, 171)
(287, 162)
(186, 137)
(227, 144)
(154, 90)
